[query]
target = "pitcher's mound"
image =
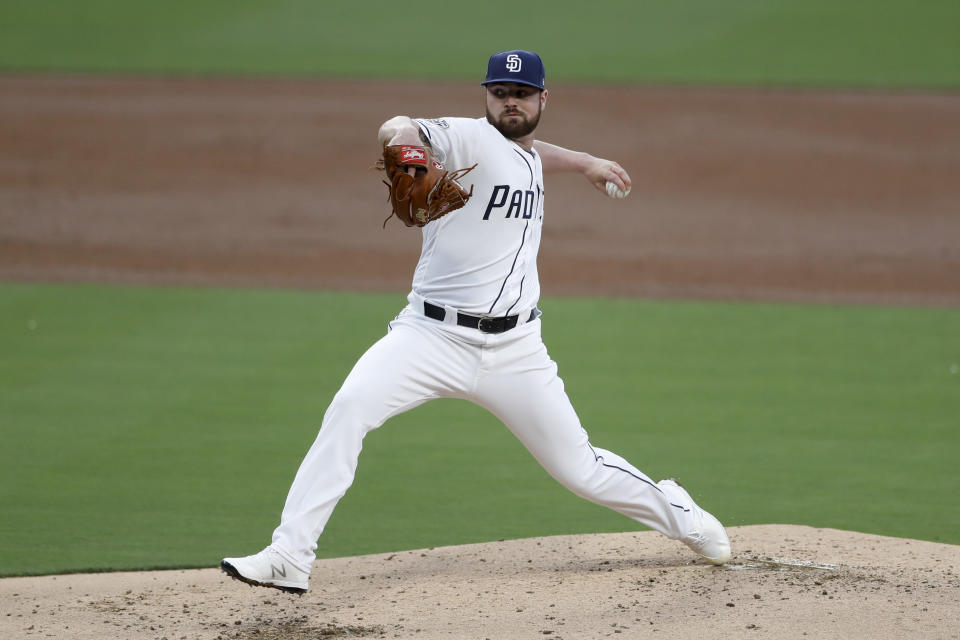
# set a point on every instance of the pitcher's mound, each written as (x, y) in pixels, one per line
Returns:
(783, 582)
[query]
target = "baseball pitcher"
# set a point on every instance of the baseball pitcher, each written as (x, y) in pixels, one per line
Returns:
(471, 328)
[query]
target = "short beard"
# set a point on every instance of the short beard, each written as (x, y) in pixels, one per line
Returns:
(515, 129)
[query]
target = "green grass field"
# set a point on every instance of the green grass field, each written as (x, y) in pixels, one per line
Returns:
(887, 43)
(161, 427)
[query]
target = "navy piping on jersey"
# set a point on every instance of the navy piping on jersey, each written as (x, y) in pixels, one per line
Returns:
(529, 168)
(519, 295)
(633, 475)
(424, 129)
(523, 239)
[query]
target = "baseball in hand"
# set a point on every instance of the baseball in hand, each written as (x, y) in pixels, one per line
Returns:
(616, 192)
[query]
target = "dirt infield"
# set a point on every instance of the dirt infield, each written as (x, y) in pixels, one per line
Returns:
(784, 582)
(738, 194)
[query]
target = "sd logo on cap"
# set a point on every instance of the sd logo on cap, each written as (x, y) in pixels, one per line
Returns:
(522, 67)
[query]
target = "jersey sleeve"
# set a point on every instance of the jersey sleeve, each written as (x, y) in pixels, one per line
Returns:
(449, 138)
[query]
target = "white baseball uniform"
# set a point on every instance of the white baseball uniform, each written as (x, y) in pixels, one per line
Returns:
(478, 261)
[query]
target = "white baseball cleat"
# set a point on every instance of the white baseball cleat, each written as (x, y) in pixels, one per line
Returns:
(267, 569)
(707, 536)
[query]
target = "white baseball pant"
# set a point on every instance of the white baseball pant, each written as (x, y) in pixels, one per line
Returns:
(509, 374)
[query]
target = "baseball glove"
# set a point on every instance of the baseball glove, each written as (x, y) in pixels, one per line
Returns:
(430, 194)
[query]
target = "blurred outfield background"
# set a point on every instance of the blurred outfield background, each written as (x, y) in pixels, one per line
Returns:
(160, 427)
(887, 43)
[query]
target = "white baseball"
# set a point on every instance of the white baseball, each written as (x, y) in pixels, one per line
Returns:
(616, 192)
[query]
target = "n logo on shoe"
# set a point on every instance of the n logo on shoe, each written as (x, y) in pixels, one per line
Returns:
(282, 571)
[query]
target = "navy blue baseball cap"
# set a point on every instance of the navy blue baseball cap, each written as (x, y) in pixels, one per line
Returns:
(522, 67)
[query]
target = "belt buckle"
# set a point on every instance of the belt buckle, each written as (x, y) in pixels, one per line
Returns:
(490, 325)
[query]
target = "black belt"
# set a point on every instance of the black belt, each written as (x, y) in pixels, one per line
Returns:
(482, 323)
